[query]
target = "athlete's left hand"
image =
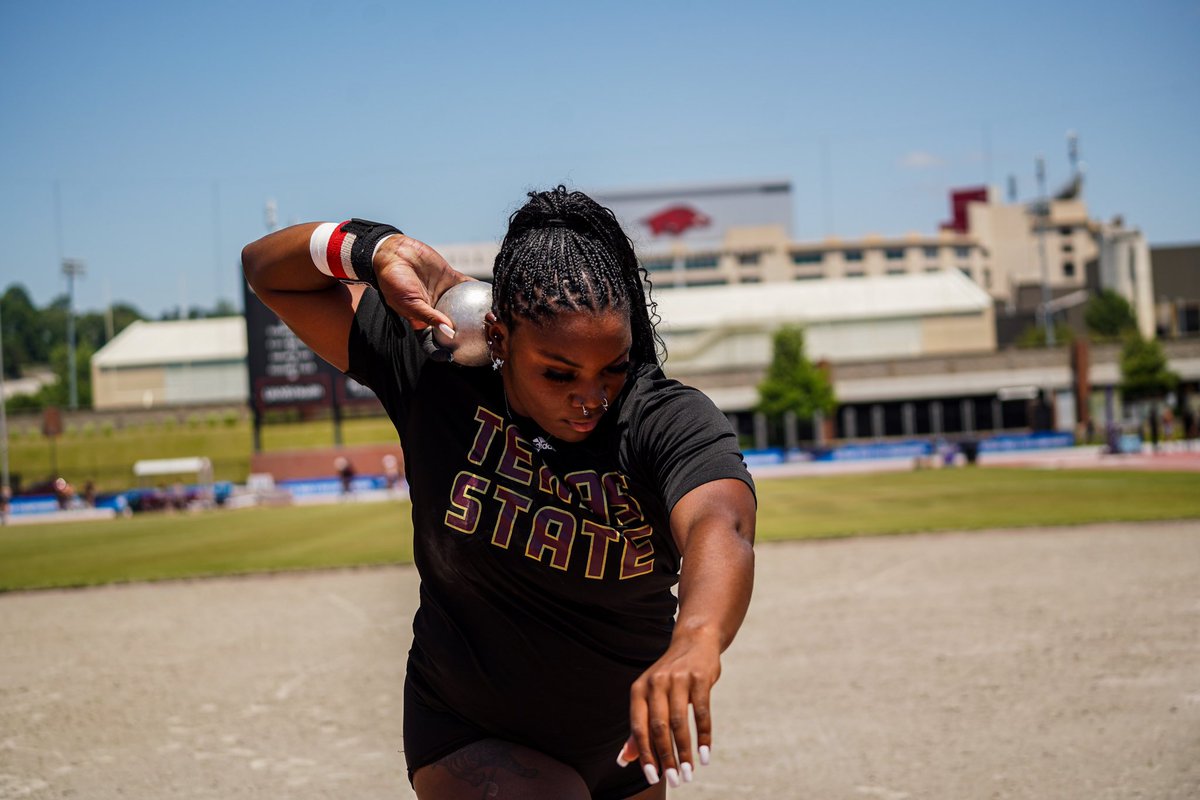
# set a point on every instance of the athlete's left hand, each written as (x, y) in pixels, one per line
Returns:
(713, 526)
(659, 703)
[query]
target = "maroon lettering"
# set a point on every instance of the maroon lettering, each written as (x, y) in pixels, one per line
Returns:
(549, 483)
(553, 529)
(638, 556)
(623, 508)
(516, 461)
(489, 424)
(602, 536)
(587, 483)
(511, 504)
(463, 515)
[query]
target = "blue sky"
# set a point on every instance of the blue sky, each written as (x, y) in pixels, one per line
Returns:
(163, 128)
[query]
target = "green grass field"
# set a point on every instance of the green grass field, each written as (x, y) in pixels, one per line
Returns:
(107, 456)
(155, 547)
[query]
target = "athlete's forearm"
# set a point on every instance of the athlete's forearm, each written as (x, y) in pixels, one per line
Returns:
(716, 581)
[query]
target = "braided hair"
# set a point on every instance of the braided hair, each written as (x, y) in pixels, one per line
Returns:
(566, 252)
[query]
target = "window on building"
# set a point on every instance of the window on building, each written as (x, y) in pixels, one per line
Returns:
(707, 282)
(1067, 247)
(1065, 231)
(658, 264)
(747, 259)
(895, 270)
(700, 262)
(933, 268)
(1069, 269)
(853, 255)
(807, 258)
(962, 252)
(894, 253)
(931, 252)
(855, 273)
(752, 279)
(987, 278)
(809, 275)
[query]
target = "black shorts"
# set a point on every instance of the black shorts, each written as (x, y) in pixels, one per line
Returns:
(432, 732)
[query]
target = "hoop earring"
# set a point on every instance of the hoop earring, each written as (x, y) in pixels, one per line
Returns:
(497, 363)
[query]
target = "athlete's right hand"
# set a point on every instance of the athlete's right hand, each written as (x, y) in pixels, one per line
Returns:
(412, 277)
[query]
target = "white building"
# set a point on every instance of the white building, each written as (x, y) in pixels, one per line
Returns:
(176, 362)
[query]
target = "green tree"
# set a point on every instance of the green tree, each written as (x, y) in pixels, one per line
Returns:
(58, 393)
(792, 382)
(1144, 371)
(1035, 335)
(23, 342)
(1108, 315)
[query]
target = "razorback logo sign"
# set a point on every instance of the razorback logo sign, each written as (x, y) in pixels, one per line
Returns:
(675, 221)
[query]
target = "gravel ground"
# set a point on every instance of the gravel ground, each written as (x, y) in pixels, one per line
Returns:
(1059, 663)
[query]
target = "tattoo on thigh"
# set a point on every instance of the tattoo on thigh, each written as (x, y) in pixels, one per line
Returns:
(480, 765)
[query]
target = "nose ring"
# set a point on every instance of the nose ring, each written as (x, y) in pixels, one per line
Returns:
(603, 405)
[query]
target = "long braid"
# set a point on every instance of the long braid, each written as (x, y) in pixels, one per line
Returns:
(565, 252)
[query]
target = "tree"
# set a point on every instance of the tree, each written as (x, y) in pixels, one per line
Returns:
(792, 382)
(23, 343)
(1144, 371)
(1035, 335)
(1108, 315)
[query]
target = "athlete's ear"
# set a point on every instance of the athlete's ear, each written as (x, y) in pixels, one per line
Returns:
(497, 337)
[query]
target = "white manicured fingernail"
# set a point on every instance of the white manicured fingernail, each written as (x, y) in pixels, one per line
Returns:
(672, 777)
(705, 754)
(621, 760)
(686, 769)
(447, 330)
(651, 773)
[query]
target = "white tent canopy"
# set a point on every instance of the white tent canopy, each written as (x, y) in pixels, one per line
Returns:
(174, 466)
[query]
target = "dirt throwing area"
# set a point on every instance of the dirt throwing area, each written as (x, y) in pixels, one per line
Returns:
(1005, 664)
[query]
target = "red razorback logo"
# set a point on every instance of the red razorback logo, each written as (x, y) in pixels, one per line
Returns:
(676, 220)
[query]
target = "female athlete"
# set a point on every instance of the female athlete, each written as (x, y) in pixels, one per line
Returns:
(557, 499)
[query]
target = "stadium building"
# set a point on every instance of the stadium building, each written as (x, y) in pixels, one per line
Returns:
(915, 329)
(172, 363)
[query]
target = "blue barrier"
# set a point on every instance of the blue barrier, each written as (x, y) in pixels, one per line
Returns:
(1042, 440)
(914, 448)
(763, 458)
(309, 487)
(863, 452)
(26, 505)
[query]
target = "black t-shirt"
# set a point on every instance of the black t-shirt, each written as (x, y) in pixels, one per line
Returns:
(546, 567)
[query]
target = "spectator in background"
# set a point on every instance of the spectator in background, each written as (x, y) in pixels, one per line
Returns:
(345, 471)
(63, 493)
(391, 472)
(89, 494)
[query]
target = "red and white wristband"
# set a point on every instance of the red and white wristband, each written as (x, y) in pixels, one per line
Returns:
(346, 250)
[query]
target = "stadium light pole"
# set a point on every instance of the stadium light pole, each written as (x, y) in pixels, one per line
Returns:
(72, 268)
(1043, 221)
(5, 490)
